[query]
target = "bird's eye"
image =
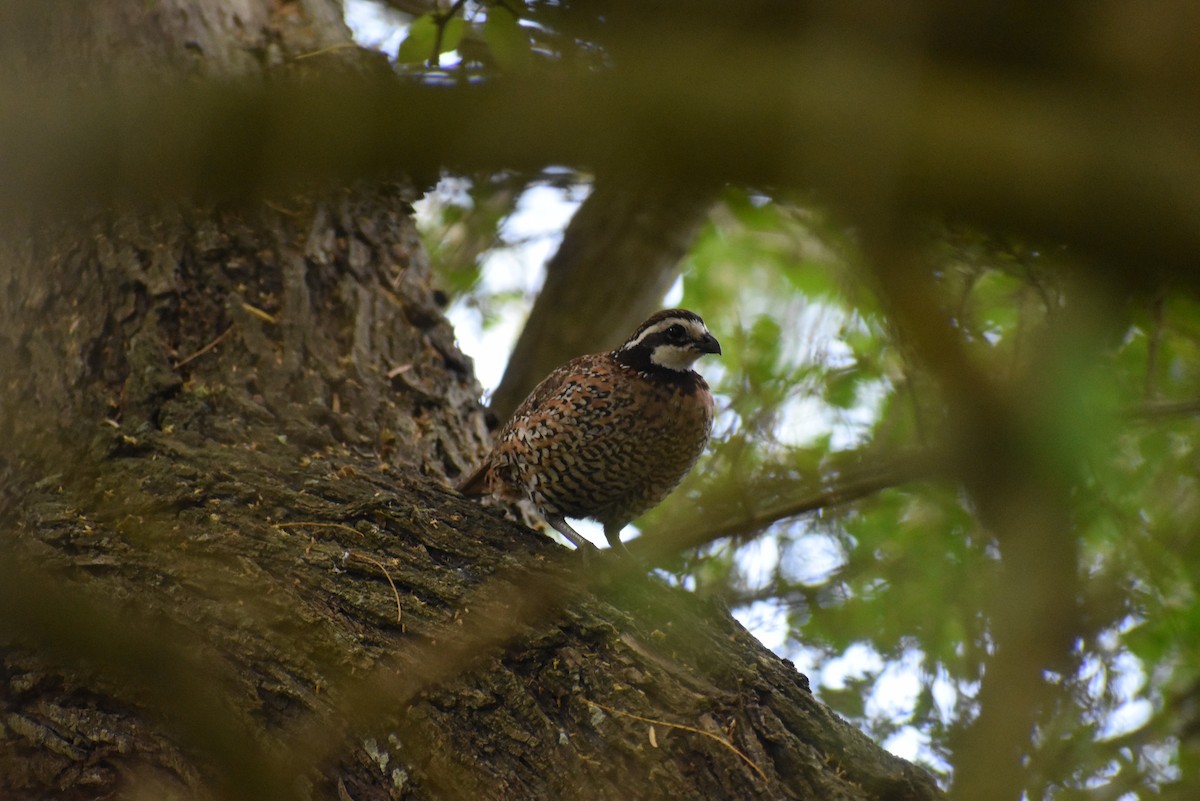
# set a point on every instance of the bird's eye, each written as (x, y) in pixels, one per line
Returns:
(676, 333)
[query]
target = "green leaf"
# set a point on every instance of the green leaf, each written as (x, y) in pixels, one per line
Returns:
(508, 42)
(452, 34)
(417, 47)
(841, 388)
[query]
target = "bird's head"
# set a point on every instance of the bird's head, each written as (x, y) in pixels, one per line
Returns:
(673, 339)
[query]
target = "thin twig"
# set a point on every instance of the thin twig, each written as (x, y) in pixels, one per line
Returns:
(282, 209)
(386, 575)
(1150, 389)
(670, 725)
(440, 21)
(1160, 409)
(266, 317)
(205, 349)
(318, 525)
(324, 50)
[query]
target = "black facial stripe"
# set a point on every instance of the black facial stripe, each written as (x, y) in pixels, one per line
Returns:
(675, 330)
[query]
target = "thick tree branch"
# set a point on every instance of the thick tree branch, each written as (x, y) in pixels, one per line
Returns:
(661, 544)
(445, 652)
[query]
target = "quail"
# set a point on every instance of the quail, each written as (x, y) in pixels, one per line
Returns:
(607, 436)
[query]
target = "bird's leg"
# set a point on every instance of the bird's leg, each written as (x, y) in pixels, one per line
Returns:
(561, 525)
(612, 533)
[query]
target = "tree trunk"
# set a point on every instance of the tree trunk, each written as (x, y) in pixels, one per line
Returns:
(233, 567)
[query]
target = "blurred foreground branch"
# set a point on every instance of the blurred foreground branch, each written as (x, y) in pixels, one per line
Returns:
(1115, 173)
(1007, 449)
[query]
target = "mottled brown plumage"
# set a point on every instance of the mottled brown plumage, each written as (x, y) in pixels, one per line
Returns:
(608, 436)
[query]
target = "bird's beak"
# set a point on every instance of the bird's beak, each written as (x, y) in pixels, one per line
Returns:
(709, 345)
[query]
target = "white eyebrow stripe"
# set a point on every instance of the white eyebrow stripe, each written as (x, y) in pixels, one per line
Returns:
(695, 328)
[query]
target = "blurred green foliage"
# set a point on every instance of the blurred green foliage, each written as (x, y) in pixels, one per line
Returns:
(912, 564)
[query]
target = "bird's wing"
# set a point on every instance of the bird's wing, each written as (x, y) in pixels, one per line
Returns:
(477, 482)
(549, 388)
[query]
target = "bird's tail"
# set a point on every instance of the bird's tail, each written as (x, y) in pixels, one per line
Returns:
(477, 482)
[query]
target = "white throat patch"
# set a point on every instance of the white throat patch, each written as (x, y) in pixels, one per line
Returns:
(674, 357)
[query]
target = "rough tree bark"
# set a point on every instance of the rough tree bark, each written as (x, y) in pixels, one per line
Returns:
(232, 564)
